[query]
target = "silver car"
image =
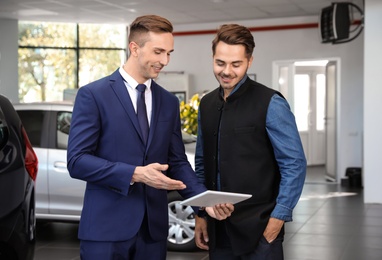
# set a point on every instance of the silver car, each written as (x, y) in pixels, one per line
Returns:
(60, 197)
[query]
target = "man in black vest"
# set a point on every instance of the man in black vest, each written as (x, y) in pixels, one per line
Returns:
(248, 142)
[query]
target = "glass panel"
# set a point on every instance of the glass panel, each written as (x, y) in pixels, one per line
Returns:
(320, 101)
(301, 101)
(45, 73)
(47, 34)
(32, 121)
(102, 35)
(95, 64)
(48, 57)
(63, 125)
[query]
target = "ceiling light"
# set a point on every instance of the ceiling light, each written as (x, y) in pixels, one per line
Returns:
(35, 12)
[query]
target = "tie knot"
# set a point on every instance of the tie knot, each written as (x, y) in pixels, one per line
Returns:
(141, 88)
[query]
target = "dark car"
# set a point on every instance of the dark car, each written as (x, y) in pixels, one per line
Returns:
(60, 197)
(18, 171)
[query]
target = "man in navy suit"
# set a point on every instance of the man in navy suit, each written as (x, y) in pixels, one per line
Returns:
(125, 212)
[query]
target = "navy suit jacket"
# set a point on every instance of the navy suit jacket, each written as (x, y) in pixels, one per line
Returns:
(105, 146)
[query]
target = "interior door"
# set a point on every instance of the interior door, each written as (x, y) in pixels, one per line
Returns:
(285, 80)
(331, 120)
(303, 85)
(309, 103)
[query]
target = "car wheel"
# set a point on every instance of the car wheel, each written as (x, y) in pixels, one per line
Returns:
(181, 226)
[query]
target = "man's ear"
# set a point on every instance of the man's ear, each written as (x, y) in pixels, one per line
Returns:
(133, 47)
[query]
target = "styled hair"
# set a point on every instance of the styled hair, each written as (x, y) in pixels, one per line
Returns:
(148, 23)
(234, 34)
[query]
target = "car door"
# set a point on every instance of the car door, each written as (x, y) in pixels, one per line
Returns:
(58, 196)
(65, 193)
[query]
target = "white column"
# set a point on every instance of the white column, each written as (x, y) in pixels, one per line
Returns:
(372, 170)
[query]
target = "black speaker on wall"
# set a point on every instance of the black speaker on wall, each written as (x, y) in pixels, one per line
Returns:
(335, 22)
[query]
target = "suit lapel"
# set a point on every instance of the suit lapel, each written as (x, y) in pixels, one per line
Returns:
(156, 102)
(119, 88)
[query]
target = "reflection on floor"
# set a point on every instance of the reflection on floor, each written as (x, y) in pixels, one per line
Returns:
(316, 174)
(331, 222)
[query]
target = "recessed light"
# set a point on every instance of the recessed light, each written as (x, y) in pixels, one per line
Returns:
(34, 12)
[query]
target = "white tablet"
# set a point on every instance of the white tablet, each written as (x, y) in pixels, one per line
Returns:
(210, 198)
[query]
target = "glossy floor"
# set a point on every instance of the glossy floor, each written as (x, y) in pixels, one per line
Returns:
(331, 222)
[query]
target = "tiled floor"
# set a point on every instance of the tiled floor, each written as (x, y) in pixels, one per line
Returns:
(331, 222)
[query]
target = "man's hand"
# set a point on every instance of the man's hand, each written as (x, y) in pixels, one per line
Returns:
(201, 234)
(273, 229)
(152, 175)
(220, 211)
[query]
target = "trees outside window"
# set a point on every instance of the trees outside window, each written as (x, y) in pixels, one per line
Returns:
(54, 57)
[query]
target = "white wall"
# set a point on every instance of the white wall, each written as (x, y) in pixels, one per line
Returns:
(9, 59)
(372, 102)
(194, 56)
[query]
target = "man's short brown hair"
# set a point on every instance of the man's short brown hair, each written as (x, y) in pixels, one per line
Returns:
(234, 34)
(148, 23)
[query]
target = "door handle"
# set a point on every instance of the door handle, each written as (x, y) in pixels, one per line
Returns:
(60, 165)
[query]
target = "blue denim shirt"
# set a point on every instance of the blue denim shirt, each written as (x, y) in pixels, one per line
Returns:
(283, 134)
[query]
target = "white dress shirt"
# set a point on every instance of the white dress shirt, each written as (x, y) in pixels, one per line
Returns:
(131, 85)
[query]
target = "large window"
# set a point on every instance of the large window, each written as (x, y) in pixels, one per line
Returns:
(55, 57)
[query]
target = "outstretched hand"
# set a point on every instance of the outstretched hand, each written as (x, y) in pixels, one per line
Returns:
(152, 175)
(220, 211)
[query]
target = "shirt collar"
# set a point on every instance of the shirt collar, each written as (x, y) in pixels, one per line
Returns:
(131, 81)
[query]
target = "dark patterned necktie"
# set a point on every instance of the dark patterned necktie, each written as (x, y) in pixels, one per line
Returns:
(142, 113)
